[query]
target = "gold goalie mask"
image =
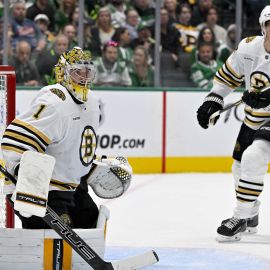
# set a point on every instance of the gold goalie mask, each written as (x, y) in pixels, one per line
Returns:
(76, 72)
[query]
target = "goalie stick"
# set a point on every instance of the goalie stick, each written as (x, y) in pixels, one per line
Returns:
(86, 252)
(218, 113)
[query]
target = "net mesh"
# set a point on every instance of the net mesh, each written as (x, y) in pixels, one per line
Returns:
(3, 121)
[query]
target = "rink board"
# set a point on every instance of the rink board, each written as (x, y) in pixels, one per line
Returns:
(44, 249)
(34, 249)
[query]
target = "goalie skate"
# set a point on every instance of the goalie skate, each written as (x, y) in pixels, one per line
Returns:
(252, 224)
(231, 230)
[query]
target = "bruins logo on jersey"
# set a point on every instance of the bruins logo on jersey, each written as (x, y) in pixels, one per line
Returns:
(259, 80)
(237, 147)
(88, 146)
(249, 39)
(59, 93)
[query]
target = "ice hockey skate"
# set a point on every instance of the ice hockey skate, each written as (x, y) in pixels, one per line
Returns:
(231, 230)
(252, 224)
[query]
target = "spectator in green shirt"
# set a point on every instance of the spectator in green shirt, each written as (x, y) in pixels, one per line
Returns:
(205, 67)
(140, 71)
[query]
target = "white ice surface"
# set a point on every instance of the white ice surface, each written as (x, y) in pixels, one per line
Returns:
(182, 211)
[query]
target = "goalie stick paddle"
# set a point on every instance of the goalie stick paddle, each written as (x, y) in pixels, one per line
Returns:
(215, 114)
(86, 252)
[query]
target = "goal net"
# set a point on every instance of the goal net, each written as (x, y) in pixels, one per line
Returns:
(7, 114)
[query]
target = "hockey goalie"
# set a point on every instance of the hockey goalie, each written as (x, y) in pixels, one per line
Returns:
(50, 149)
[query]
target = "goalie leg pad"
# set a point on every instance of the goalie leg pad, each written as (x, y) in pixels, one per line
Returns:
(31, 193)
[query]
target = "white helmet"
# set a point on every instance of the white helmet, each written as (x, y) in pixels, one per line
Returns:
(75, 71)
(264, 17)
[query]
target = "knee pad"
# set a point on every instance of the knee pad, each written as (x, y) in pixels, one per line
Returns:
(254, 163)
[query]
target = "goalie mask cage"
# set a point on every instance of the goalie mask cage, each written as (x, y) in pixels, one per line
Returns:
(7, 97)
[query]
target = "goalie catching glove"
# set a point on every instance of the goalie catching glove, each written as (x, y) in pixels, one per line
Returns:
(110, 177)
(257, 100)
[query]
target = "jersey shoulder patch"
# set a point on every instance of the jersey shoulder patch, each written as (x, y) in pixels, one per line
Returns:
(249, 39)
(251, 45)
(58, 93)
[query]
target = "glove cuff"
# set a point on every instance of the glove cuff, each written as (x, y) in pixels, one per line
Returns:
(215, 98)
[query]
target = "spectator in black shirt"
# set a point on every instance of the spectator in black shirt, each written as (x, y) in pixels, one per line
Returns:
(200, 11)
(145, 39)
(49, 57)
(42, 7)
(145, 10)
(170, 36)
(173, 10)
(26, 71)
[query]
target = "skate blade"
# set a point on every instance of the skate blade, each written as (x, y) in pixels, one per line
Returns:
(222, 238)
(251, 230)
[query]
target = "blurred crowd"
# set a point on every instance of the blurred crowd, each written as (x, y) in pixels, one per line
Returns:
(120, 34)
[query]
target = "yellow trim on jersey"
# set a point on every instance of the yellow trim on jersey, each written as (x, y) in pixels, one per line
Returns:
(63, 185)
(228, 66)
(33, 129)
(223, 82)
(248, 192)
(250, 111)
(23, 138)
(251, 123)
(226, 77)
(12, 148)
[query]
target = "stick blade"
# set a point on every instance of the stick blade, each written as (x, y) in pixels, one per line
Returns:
(136, 262)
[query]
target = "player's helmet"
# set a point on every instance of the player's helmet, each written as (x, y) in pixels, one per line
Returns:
(75, 71)
(264, 17)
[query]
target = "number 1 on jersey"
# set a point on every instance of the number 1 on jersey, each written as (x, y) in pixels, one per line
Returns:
(39, 111)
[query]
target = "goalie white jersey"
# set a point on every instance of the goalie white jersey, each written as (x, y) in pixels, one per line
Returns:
(56, 124)
(249, 63)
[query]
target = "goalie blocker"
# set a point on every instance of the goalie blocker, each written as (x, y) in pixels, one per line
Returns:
(32, 188)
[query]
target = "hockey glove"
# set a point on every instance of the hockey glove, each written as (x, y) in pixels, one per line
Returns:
(257, 100)
(212, 103)
(110, 177)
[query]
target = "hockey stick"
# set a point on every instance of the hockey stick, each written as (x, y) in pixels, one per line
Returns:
(218, 113)
(86, 252)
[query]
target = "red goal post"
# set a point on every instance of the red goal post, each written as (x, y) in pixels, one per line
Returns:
(7, 114)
